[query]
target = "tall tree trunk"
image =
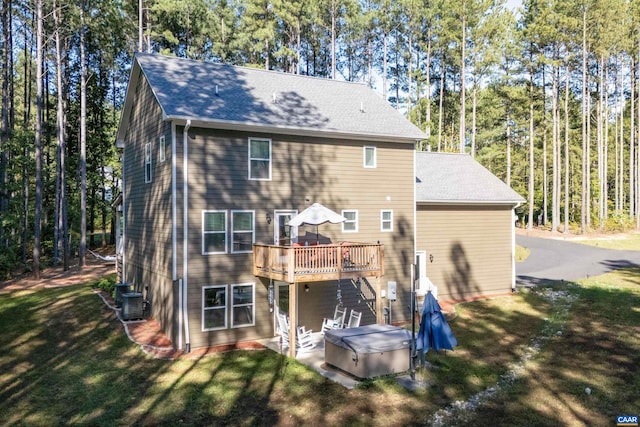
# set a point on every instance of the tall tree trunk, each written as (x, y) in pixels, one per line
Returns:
(428, 88)
(632, 142)
(555, 220)
(83, 141)
(5, 132)
(38, 142)
(600, 143)
(585, 161)
(531, 146)
(441, 101)
(462, 80)
(545, 166)
(61, 179)
(567, 192)
(508, 138)
(333, 39)
(637, 75)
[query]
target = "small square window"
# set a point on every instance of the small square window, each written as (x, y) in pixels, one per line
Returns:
(259, 159)
(351, 224)
(370, 160)
(386, 220)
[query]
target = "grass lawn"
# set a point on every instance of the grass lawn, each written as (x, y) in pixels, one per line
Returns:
(625, 241)
(522, 360)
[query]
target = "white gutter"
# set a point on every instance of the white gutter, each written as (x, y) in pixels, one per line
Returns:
(514, 203)
(513, 248)
(174, 234)
(174, 208)
(292, 130)
(124, 222)
(185, 232)
(415, 214)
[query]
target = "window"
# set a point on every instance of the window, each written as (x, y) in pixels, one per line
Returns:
(351, 224)
(147, 163)
(214, 232)
(242, 226)
(242, 305)
(370, 157)
(386, 220)
(259, 159)
(161, 150)
(214, 307)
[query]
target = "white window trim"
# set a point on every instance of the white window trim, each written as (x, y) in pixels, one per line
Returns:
(253, 231)
(350, 222)
(148, 161)
(226, 230)
(252, 158)
(226, 307)
(253, 305)
(364, 157)
(384, 221)
(162, 147)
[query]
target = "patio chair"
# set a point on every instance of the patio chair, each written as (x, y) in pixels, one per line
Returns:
(336, 322)
(283, 326)
(354, 319)
(304, 339)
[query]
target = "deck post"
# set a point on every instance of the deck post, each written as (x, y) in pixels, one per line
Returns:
(379, 313)
(293, 318)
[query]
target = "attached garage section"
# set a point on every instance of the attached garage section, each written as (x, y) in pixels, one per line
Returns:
(465, 240)
(468, 249)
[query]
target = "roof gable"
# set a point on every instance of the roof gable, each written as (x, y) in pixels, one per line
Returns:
(458, 178)
(219, 95)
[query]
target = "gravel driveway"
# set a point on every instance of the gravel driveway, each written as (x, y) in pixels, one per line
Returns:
(553, 259)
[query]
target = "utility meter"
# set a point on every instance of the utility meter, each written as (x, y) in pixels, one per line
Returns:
(391, 290)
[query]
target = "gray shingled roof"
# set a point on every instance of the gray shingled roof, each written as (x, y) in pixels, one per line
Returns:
(216, 94)
(458, 178)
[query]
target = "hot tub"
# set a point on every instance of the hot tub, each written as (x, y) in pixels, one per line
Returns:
(368, 351)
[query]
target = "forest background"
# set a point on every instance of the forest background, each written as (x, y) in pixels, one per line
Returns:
(545, 96)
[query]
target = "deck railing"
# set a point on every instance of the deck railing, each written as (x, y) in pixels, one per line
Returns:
(318, 263)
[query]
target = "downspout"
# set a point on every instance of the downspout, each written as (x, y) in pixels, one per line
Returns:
(174, 233)
(514, 217)
(412, 348)
(185, 233)
(124, 221)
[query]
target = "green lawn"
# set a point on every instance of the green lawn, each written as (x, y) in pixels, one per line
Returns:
(625, 241)
(527, 359)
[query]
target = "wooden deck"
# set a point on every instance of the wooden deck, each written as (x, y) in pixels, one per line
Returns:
(337, 261)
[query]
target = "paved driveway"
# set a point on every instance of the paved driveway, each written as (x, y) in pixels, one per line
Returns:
(553, 259)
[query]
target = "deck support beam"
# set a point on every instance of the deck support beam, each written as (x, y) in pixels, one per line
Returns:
(293, 318)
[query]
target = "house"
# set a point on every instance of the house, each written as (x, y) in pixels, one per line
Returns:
(217, 159)
(465, 227)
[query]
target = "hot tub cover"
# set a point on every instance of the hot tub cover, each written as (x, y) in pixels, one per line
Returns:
(370, 338)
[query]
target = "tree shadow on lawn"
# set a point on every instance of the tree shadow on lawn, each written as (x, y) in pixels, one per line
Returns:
(598, 349)
(65, 359)
(492, 334)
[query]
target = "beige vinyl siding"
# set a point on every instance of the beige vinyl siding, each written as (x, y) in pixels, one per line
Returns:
(148, 209)
(304, 170)
(471, 248)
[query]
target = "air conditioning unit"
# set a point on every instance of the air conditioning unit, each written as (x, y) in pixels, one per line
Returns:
(132, 306)
(121, 289)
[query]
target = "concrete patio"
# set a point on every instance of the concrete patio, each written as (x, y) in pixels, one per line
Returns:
(314, 359)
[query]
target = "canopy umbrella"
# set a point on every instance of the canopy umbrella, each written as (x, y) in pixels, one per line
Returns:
(316, 214)
(434, 330)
